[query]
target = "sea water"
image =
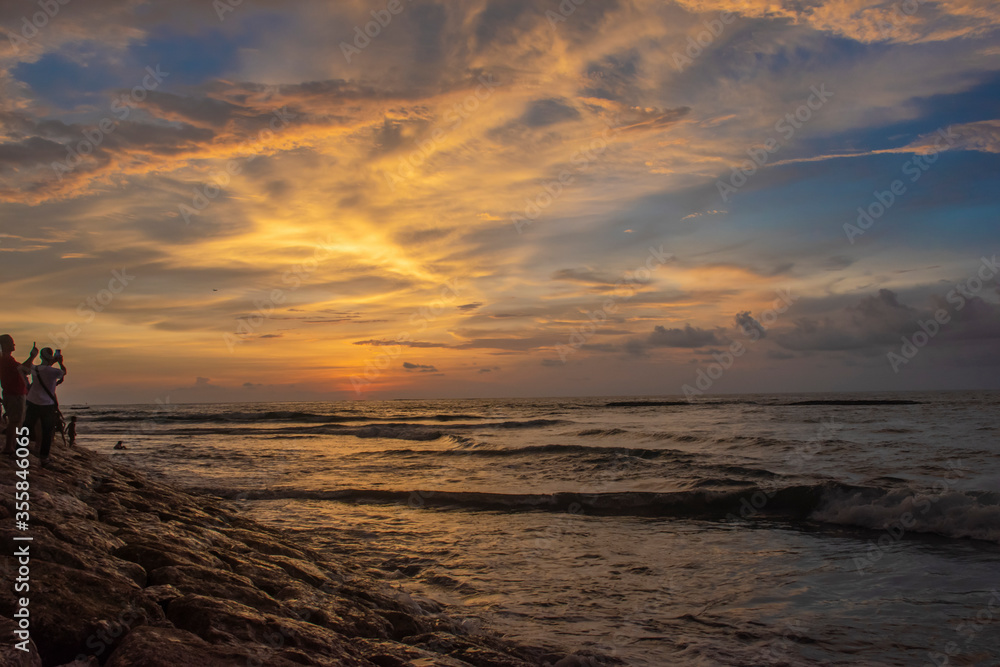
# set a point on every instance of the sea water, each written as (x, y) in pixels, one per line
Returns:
(859, 529)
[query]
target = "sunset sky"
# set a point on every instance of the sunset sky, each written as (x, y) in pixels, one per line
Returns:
(259, 201)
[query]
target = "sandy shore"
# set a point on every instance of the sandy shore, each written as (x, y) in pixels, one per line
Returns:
(127, 571)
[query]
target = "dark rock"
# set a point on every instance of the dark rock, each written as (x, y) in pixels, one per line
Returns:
(128, 571)
(298, 568)
(10, 655)
(137, 522)
(170, 647)
(53, 550)
(405, 625)
(343, 618)
(216, 620)
(855, 402)
(154, 555)
(162, 594)
(75, 612)
(218, 583)
(391, 654)
(60, 506)
(181, 574)
(90, 535)
(579, 661)
(467, 650)
(261, 543)
(265, 576)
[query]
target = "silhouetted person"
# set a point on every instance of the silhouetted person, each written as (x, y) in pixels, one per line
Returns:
(42, 402)
(120, 445)
(71, 431)
(15, 388)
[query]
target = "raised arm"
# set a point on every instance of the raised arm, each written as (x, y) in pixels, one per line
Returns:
(31, 358)
(62, 366)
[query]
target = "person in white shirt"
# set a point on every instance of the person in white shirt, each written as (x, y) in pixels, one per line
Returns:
(41, 400)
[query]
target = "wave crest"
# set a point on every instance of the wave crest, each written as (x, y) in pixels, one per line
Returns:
(953, 514)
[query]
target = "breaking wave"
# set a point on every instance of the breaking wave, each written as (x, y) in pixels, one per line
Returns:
(952, 514)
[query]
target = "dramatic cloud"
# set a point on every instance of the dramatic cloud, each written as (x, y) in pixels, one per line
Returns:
(749, 326)
(391, 343)
(881, 322)
(548, 112)
(493, 186)
(687, 337)
(419, 368)
(867, 22)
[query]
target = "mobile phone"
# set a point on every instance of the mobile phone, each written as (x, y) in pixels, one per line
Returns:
(58, 354)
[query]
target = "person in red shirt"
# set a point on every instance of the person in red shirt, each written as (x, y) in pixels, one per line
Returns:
(15, 388)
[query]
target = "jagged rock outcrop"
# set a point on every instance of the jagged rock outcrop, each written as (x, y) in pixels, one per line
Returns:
(128, 571)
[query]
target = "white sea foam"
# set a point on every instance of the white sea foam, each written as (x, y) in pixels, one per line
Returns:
(953, 514)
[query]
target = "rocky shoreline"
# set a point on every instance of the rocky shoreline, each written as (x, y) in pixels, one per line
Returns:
(128, 571)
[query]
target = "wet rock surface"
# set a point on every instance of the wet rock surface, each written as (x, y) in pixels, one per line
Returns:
(129, 571)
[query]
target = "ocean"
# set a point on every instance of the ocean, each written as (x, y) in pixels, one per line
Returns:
(837, 529)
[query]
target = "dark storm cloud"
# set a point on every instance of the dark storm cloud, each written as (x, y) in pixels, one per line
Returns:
(419, 368)
(85, 152)
(876, 320)
(541, 113)
(278, 188)
(37, 259)
(388, 138)
(747, 324)
(600, 347)
(497, 21)
(577, 22)
(429, 21)
(521, 340)
(590, 277)
(30, 152)
(977, 320)
(613, 78)
(882, 320)
(309, 93)
(689, 336)
(200, 111)
(164, 140)
(660, 337)
(389, 343)
(838, 262)
(363, 284)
